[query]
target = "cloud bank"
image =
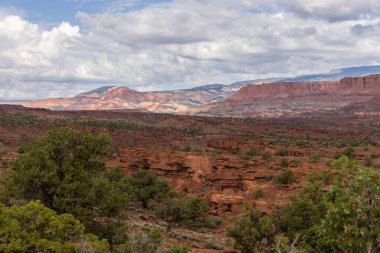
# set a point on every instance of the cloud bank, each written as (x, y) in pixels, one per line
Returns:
(185, 43)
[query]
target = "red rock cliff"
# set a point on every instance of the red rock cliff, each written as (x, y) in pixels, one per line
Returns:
(367, 85)
(290, 98)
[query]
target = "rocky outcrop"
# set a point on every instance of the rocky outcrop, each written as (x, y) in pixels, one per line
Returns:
(290, 98)
(227, 181)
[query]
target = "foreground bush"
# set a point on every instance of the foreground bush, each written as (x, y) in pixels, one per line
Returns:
(66, 171)
(35, 228)
(253, 231)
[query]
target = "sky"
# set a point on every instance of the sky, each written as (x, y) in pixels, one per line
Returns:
(64, 47)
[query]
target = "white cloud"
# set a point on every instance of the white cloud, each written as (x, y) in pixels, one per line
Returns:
(336, 10)
(186, 43)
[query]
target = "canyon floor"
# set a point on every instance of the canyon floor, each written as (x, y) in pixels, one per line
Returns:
(230, 162)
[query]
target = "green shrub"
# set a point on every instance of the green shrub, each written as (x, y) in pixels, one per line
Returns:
(215, 152)
(36, 228)
(253, 152)
(258, 194)
(250, 229)
(315, 157)
(147, 188)
(266, 156)
(349, 152)
(66, 171)
(369, 161)
(177, 249)
(212, 244)
(187, 148)
(189, 212)
(297, 161)
(287, 177)
(284, 163)
(213, 222)
(284, 151)
(145, 241)
(197, 150)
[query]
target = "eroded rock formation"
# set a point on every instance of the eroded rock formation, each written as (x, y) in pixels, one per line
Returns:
(292, 98)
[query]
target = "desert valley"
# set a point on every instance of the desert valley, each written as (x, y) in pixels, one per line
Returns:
(276, 136)
(189, 126)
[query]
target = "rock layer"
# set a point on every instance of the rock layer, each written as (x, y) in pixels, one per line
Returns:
(290, 98)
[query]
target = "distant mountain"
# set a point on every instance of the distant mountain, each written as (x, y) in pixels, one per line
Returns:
(183, 101)
(350, 95)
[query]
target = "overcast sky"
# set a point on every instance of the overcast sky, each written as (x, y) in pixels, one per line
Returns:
(63, 47)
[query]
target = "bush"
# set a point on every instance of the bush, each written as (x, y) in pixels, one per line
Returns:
(349, 152)
(297, 161)
(287, 177)
(145, 241)
(177, 249)
(66, 171)
(315, 157)
(36, 228)
(284, 151)
(369, 161)
(250, 229)
(147, 188)
(191, 212)
(266, 156)
(284, 163)
(258, 194)
(215, 152)
(253, 152)
(213, 222)
(212, 244)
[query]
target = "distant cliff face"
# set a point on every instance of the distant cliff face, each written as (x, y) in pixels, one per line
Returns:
(290, 98)
(367, 85)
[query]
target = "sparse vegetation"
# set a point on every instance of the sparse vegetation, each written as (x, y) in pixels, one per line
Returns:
(315, 157)
(212, 244)
(284, 163)
(177, 249)
(258, 194)
(283, 151)
(266, 156)
(213, 221)
(287, 177)
(116, 207)
(318, 221)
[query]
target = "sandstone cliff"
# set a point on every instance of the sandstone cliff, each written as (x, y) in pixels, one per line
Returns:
(290, 98)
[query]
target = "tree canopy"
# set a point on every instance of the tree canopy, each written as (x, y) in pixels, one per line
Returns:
(65, 170)
(36, 228)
